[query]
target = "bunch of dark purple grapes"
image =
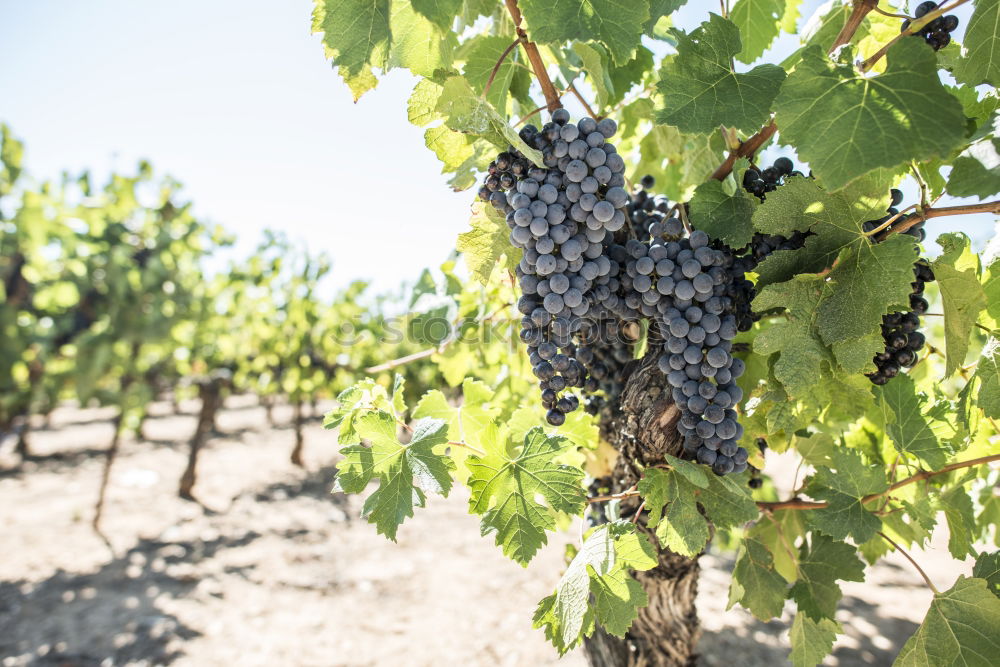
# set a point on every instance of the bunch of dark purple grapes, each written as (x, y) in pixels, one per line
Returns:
(648, 213)
(900, 331)
(758, 182)
(937, 33)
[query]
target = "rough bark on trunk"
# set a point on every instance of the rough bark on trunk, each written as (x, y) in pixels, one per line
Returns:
(666, 632)
(210, 393)
(299, 442)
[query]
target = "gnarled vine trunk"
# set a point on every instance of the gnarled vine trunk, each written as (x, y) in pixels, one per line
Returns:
(211, 394)
(643, 430)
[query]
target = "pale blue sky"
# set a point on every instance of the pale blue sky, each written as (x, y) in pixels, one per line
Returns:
(236, 101)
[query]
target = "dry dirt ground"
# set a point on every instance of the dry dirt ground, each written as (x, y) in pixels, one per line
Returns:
(273, 570)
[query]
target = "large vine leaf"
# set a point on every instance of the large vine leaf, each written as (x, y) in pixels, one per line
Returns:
(356, 35)
(957, 274)
(844, 124)
(404, 472)
(867, 281)
(505, 485)
(467, 422)
(843, 484)
(467, 112)
(481, 54)
(441, 12)
(906, 425)
(801, 356)
(759, 22)
(486, 242)
(822, 561)
(976, 171)
(755, 584)
(961, 628)
(680, 527)
(600, 568)
(988, 378)
(811, 640)
(617, 24)
(701, 91)
(723, 214)
(988, 567)
(981, 64)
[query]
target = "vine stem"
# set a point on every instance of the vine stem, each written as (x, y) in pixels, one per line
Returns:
(455, 443)
(797, 504)
(552, 101)
(915, 25)
(746, 149)
(941, 211)
(496, 68)
(614, 496)
(858, 14)
(923, 574)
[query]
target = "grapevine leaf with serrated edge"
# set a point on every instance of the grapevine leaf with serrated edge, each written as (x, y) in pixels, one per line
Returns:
(755, 584)
(960, 629)
(700, 89)
(504, 486)
(982, 62)
(844, 124)
(822, 562)
(811, 640)
(905, 424)
(957, 275)
(843, 485)
(404, 472)
(601, 567)
(486, 242)
(617, 24)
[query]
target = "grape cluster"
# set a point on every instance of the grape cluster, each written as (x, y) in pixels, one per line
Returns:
(563, 216)
(648, 213)
(759, 182)
(695, 317)
(937, 33)
(900, 330)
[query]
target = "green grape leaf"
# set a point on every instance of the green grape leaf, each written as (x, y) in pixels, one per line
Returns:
(821, 563)
(617, 24)
(700, 89)
(759, 22)
(811, 640)
(957, 274)
(486, 243)
(682, 528)
(481, 55)
(801, 356)
(867, 282)
(961, 519)
(465, 111)
(988, 377)
(981, 64)
(659, 9)
(356, 35)
(845, 124)
(467, 422)
(778, 534)
(353, 402)
(601, 567)
(727, 501)
(755, 584)
(595, 63)
(421, 108)
(505, 484)
(835, 219)
(405, 472)
(988, 567)
(417, 44)
(906, 425)
(441, 13)
(843, 484)
(868, 279)
(451, 148)
(976, 171)
(721, 215)
(960, 629)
